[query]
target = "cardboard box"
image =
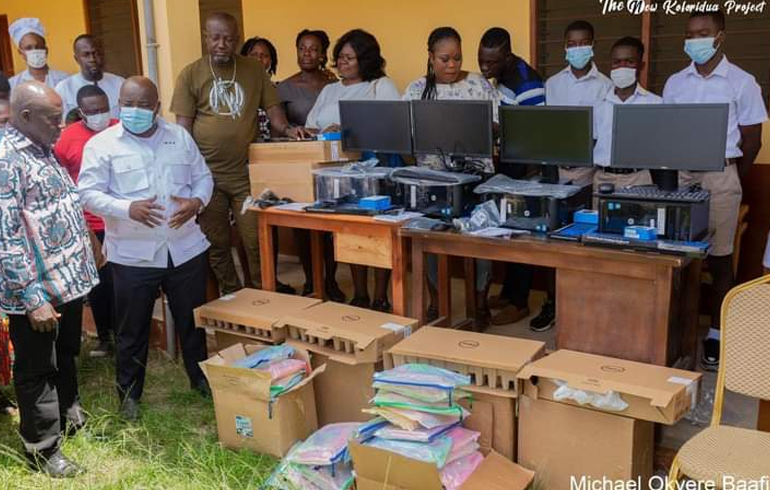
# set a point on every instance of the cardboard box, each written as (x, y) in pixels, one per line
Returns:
(251, 314)
(294, 181)
(224, 340)
(382, 470)
(492, 361)
(246, 418)
(299, 152)
(342, 390)
(561, 442)
(345, 333)
(654, 393)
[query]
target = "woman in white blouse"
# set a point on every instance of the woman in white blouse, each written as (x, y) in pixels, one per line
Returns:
(361, 69)
(446, 80)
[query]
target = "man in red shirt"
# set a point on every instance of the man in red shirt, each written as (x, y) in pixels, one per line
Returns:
(94, 109)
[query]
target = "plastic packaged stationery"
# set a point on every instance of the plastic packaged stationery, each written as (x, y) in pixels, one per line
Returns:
(422, 382)
(282, 385)
(412, 419)
(284, 368)
(255, 360)
(339, 477)
(435, 452)
(368, 429)
(326, 446)
(395, 400)
(464, 442)
(418, 435)
(454, 474)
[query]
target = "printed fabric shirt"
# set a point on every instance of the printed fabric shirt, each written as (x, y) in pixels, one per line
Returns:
(45, 250)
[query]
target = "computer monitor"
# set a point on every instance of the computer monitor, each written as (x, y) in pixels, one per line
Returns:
(670, 137)
(452, 128)
(376, 125)
(547, 135)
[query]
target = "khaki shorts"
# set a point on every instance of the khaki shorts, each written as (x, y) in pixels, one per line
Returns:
(726, 194)
(620, 181)
(578, 176)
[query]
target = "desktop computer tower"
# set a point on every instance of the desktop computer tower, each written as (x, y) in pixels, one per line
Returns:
(682, 221)
(541, 213)
(445, 201)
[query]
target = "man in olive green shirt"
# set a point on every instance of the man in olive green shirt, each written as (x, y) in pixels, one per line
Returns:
(216, 98)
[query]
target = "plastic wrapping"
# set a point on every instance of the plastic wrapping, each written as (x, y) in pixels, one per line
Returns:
(422, 382)
(282, 385)
(384, 398)
(412, 419)
(454, 474)
(293, 476)
(426, 177)
(418, 435)
(610, 401)
(359, 179)
(502, 184)
(368, 429)
(427, 224)
(435, 452)
(284, 368)
(464, 442)
(485, 215)
(270, 354)
(326, 446)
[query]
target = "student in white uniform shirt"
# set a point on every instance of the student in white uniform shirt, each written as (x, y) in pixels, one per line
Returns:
(711, 78)
(89, 55)
(28, 36)
(627, 54)
(578, 84)
(148, 180)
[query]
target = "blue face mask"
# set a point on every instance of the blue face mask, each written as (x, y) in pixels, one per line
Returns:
(700, 50)
(579, 56)
(136, 120)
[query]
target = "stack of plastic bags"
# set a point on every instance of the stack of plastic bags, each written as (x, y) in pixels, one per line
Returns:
(286, 371)
(322, 462)
(419, 417)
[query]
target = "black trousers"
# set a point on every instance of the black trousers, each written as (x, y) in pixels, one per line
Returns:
(518, 277)
(136, 290)
(100, 299)
(45, 376)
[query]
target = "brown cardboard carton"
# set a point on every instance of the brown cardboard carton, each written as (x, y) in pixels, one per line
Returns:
(345, 333)
(246, 418)
(653, 393)
(562, 442)
(342, 390)
(293, 181)
(382, 470)
(492, 361)
(224, 340)
(251, 314)
(299, 152)
(494, 417)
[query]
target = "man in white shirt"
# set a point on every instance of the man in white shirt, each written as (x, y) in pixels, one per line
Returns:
(89, 55)
(580, 83)
(28, 36)
(148, 180)
(711, 78)
(627, 54)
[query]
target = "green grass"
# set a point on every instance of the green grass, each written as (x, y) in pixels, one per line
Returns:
(173, 446)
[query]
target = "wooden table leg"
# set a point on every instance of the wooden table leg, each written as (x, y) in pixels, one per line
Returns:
(469, 266)
(444, 287)
(398, 275)
(689, 308)
(763, 421)
(418, 281)
(266, 246)
(317, 259)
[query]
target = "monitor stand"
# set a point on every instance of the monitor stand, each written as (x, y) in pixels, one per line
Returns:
(666, 180)
(549, 174)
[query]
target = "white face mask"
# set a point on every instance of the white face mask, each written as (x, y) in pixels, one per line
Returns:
(97, 122)
(623, 77)
(36, 58)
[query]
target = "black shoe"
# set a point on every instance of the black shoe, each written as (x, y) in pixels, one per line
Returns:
(102, 349)
(382, 305)
(129, 409)
(334, 293)
(710, 359)
(203, 389)
(75, 419)
(55, 466)
(432, 314)
(361, 302)
(545, 319)
(284, 288)
(307, 290)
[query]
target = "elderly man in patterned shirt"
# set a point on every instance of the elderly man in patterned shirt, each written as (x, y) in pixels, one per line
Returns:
(46, 267)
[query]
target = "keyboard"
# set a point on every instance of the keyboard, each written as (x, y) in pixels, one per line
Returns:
(653, 193)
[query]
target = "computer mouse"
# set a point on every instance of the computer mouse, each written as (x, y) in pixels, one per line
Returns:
(606, 188)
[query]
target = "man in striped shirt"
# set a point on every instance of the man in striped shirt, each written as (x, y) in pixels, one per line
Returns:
(517, 84)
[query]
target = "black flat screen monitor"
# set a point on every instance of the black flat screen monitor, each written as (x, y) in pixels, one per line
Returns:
(670, 136)
(458, 128)
(547, 135)
(376, 125)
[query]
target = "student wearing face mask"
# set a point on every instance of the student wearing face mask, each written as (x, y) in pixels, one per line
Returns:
(94, 109)
(711, 78)
(627, 63)
(28, 36)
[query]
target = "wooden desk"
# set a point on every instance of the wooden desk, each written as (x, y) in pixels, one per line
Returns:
(630, 305)
(358, 240)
